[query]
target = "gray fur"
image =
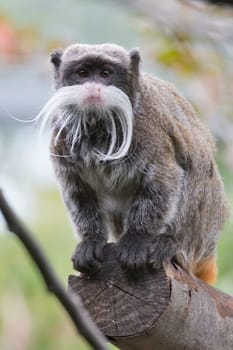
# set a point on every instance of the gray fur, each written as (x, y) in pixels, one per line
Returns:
(165, 198)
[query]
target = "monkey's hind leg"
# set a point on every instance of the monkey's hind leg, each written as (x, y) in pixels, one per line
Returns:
(207, 270)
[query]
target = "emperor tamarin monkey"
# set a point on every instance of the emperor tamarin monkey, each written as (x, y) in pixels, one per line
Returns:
(133, 160)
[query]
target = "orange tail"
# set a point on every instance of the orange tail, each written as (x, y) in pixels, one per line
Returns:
(207, 270)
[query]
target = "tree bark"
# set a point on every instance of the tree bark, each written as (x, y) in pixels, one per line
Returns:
(165, 310)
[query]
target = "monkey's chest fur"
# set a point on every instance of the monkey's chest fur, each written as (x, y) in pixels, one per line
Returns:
(115, 187)
(113, 184)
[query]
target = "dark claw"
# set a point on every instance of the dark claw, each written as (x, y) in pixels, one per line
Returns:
(88, 256)
(136, 254)
(163, 249)
(132, 254)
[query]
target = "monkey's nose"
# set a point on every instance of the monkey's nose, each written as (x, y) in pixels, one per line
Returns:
(93, 98)
(93, 94)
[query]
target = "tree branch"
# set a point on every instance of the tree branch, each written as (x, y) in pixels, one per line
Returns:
(73, 306)
(167, 310)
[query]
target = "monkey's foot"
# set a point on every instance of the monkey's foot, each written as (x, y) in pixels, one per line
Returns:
(133, 253)
(88, 255)
(163, 248)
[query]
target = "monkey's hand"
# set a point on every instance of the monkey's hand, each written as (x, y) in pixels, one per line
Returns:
(133, 252)
(138, 253)
(88, 255)
(163, 249)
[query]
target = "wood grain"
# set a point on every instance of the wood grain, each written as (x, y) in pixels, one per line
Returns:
(167, 310)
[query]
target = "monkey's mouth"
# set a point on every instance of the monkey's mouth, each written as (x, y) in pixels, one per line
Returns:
(74, 113)
(92, 95)
(93, 100)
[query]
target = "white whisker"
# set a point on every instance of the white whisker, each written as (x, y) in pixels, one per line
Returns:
(77, 135)
(17, 119)
(67, 120)
(68, 107)
(57, 103)
(60, 155)
(113, 136)
(123, 110)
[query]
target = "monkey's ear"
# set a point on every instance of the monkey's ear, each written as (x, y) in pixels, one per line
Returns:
(135, 61)
(55, 57)
(135, 56)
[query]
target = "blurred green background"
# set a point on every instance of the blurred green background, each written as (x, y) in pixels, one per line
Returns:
(179, 42)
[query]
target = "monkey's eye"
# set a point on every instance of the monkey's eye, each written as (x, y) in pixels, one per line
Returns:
(82, 73)
(105, 73)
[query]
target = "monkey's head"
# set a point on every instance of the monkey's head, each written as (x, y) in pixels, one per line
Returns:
(96, 85)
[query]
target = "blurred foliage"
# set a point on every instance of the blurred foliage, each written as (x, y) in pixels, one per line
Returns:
(42, 323)
(225, 257)
(42, 317)
(177, 57)
(201, 67)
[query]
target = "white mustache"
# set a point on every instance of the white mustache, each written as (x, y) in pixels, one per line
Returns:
(116, 104)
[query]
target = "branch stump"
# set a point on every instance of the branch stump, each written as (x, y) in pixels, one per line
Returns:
(166, 310)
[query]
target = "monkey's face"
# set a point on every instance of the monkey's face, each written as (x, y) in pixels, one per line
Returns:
(96, 88)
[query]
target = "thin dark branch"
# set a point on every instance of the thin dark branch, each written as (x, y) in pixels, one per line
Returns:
(73, 307)
(220, 2)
